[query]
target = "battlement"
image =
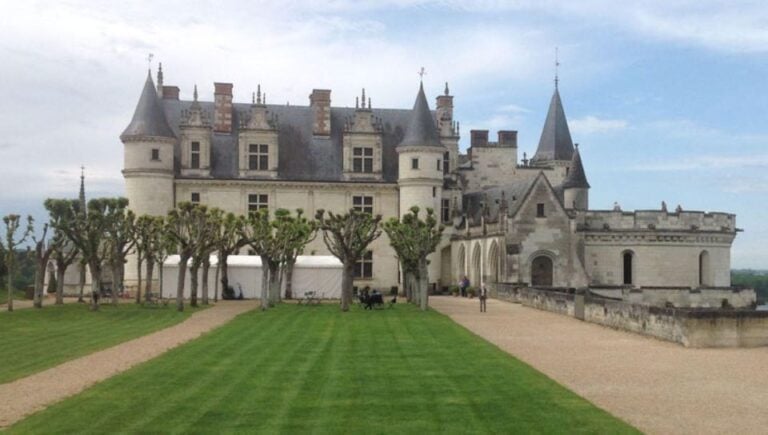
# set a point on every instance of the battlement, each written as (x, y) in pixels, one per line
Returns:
(598, 220)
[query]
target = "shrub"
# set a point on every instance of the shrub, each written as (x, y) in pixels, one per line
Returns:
(471, 291)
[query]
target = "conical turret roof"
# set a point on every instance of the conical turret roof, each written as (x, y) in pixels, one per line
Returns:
(576, 176)
(149, 118)
(421, 128)
(555, 142)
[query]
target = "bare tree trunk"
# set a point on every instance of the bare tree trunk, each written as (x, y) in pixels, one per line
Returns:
(138, 279)
(150, 273)
(95, 285)
(204, 277)
(39, 284)
(264, 284)
(193, 286)
(225, 271)
(346, 286)
(180, 284)
(161, 279)
(289, 280)
(82, 283)
(60, 271)
(274, 284)
(423, 285)
(115, 283)
(216, 283)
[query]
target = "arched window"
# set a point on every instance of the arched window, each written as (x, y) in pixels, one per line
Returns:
(704, 271)
(627, 259)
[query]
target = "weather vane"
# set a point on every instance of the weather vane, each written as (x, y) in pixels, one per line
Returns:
(557, 67)
(149, 60)
(422, 71)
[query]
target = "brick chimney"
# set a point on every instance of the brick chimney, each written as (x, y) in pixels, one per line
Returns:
(222, 115)
(320, 102)
(478, 138)
(508, 138)
(170, 92)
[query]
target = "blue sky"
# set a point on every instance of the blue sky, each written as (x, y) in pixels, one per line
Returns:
(667, 98)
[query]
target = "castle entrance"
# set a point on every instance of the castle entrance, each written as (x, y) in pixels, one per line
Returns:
(541, 271)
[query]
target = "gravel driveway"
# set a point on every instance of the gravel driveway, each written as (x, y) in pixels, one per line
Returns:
(658, 387)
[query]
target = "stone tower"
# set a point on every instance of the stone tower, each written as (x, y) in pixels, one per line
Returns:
(148, 150)
(420, 153)
(575, 186)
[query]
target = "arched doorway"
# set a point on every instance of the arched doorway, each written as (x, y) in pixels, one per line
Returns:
(461, 267)
(493, 263)
(627, 261)
(476, 272)
(704, 271)
(542, 271)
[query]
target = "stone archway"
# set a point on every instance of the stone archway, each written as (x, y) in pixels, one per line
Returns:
(461, 266)
(493, 263)
(476, 264)
(542, 271)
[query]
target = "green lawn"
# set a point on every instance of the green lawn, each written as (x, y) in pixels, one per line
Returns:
(298, 369)
(33, 340)
(17, 295)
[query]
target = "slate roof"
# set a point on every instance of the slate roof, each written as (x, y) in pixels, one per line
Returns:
(148, 119)
(421, 129)
(513, 193)
(555, 142)
(302, 156)
(576, 176)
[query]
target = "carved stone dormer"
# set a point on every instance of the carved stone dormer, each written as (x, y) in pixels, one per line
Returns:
(258, 149)
(362, 143)
(196, 130)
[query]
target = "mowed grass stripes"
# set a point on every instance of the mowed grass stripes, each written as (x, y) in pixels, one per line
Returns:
(298, 369)
(37, 339)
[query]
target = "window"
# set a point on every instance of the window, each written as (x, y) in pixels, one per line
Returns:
(195, 198)
(414, 163)
(434, 191)
(194, 161)
(627, 263)
(258, 157)
(363, 204)
(257, 201)
(364, 266)
(446, 163)
(362, 160)
(540, 210)
(445, 209)
(439, 165)
(155, 154)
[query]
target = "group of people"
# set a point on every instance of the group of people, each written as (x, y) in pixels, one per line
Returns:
(482, 293)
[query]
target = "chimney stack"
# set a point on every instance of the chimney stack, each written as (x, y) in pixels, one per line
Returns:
(478, 138)
(222, 115)
(508, 138)
(170, 92)
(320, 102)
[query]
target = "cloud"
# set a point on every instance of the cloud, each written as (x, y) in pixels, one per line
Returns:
(709, 162)
(514, 108)
(594, 125)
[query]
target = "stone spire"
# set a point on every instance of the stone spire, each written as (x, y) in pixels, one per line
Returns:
(149, 118)
(160, 80)
(194, 116)
(81, 197)
(576, 176)
(421, 128)
(555, 142)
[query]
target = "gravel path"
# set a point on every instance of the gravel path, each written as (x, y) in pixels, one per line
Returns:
(658, 387)
(33, 393)
(20, 304)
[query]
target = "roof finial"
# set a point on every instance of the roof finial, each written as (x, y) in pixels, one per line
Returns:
(258, 93)
(446, 89)
(369, 103)
(253, 98)
(557, 67)
(357, 102)
(149, 62)
(362, 99)
(194, 93)
(82, 187)
(422, 72)
(160, 79)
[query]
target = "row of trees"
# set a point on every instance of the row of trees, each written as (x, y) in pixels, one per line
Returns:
(103, 233)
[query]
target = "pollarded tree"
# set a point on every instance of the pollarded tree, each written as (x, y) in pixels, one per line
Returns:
(413, 240)
(142, 239)
(229, 240)
(43, 251)
(12, 240)
(210, 220)
(183, 228)
(293, 235)
(260, 235)
(155, 249)
(119, 237)
(64, 252)
(347, 236)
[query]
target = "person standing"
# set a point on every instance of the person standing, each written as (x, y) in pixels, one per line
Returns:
(483, 297)
(464, 285)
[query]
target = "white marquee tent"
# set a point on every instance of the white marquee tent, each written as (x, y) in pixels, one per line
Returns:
(319, 273)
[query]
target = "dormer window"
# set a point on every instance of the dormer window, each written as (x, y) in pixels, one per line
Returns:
(194, 156)
(362, 160)
(258, 157)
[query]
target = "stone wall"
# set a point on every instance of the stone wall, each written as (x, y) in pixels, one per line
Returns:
(687, 326)
(682, 297)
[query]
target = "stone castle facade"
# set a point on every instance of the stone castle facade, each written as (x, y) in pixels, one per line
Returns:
(508, 220)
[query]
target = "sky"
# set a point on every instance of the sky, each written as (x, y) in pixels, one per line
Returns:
(667, 98)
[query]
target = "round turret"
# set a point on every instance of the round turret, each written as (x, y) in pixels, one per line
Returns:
(575, 185)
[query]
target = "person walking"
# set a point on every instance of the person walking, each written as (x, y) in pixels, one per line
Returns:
(483, 297)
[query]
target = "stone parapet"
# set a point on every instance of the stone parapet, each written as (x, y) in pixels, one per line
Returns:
(658, 220)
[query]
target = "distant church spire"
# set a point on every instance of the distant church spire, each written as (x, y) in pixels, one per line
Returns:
(194, 93)
(81, 197)
(160, 80)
